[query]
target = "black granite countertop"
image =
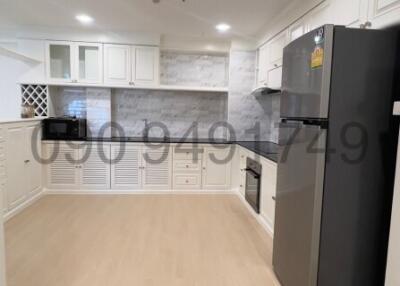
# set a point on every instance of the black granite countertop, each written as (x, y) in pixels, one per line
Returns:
(265, 149)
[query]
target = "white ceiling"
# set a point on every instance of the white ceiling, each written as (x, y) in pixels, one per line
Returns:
(171, 17)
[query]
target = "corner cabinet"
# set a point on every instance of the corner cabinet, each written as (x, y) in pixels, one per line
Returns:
(73, 62)
(131, 65)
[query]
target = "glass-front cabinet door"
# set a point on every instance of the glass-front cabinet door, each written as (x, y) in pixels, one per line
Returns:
(60, 61)
(90, 63)
(74, 62)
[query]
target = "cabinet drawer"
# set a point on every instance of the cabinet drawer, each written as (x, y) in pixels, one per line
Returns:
(187, 166)
(188, 154)
(187, 181)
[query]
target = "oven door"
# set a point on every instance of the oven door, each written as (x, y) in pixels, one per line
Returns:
(253, 184)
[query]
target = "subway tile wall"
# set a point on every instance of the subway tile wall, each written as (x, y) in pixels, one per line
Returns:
(186, 69)
(177, 111)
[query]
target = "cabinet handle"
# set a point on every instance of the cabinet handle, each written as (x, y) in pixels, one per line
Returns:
(131, 83)
(366, 25)
(187, 166)
(187, 181)
(27, 161)
(74, 81)
(273, 198)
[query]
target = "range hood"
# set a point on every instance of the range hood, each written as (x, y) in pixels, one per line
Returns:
(264, 90)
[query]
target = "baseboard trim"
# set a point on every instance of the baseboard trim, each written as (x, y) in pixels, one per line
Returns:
(7, 216)
(260, 219)
(136, 192)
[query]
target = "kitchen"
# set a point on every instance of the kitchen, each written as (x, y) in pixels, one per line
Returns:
(170, 140)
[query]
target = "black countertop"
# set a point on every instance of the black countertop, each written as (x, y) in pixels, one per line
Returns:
(265, 149)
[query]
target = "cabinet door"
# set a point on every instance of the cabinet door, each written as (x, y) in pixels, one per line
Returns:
(33, 166)
(15, 166)
(263, 63)
(117, 64)
(62, 171)
(275, 48)
(297, 30)
(89, 62)
(59, 61)
(126, 173)
(268, 192)
(350, 13)
(145, 65)
(95, 167)
(157, 174)
(383, 13)
(216, 169)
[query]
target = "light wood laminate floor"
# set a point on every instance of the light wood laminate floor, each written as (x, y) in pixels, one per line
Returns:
(135, 240)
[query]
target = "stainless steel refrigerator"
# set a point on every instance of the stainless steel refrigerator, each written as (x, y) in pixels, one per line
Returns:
(337, 158)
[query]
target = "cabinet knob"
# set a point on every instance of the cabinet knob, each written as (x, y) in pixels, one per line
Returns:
(27, 161)
(273, 198)
(187, 181)
(187, 166)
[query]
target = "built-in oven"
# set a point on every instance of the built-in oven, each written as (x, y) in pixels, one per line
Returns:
(253, 184)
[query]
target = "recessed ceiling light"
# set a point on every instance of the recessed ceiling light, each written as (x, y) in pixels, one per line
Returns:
(223, 27)
(84, 19)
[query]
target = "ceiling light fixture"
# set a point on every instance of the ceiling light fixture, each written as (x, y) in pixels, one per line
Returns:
(223, 27)
(84, 19)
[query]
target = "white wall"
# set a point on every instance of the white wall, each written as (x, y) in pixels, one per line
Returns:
(10, 96)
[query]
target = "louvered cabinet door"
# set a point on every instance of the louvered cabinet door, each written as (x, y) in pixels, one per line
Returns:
(157, 173)
(62, 173)
(94, 171)
(126, 173)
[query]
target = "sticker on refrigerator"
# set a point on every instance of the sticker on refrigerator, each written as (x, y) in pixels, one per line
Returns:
(317, 57)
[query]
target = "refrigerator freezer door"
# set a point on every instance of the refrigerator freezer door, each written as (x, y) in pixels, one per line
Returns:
(306, 75)
(299, 203)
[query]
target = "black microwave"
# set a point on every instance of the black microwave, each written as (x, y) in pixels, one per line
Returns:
(63, 128)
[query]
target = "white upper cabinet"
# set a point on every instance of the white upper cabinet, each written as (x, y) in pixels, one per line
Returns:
(117, 69)
(383, 13)
(145, 65)
(297, 30)
(350, 13)
(275, 48)
(90, 63)
(320, 16)
(262, 70)
(59, 61)
(131, 65)
(72, 62)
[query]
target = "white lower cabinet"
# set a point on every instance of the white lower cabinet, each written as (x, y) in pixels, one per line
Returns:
(20, 172)
(217, 169)
(94, 170)
(187, 168)
(157, 167)
(126, 168)
(268, 192)
(74, 167)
